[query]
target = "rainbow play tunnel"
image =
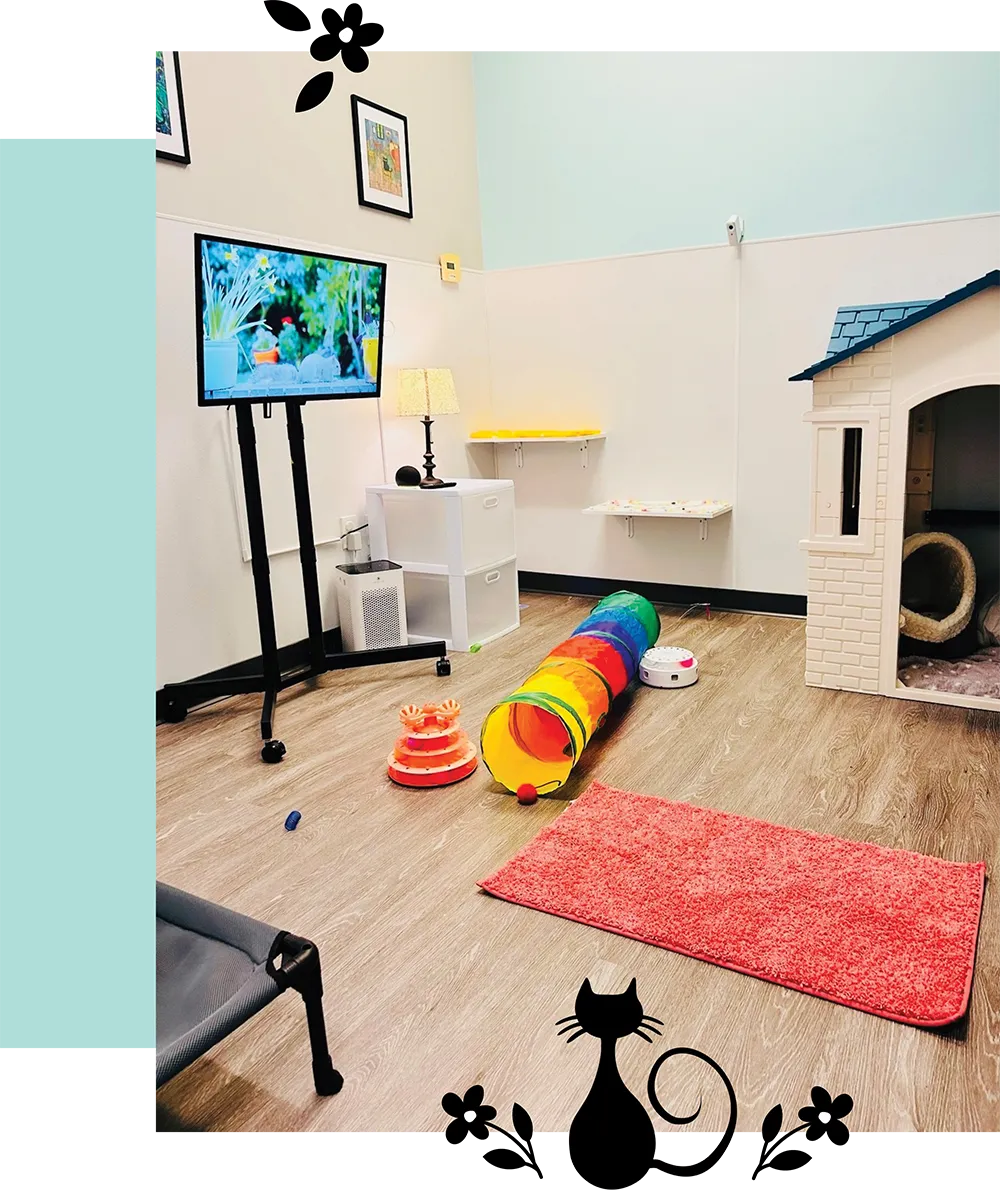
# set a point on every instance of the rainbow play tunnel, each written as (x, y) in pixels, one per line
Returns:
(537, 734)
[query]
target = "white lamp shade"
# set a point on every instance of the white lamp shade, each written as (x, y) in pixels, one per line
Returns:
(426, 392)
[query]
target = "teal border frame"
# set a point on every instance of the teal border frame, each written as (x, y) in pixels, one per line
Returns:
(79, 495)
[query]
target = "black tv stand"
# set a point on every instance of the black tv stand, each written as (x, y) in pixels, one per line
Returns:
(175, 699)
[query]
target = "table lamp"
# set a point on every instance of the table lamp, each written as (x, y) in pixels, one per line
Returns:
(423, 392)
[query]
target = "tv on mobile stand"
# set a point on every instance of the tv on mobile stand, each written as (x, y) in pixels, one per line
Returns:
(338, 360)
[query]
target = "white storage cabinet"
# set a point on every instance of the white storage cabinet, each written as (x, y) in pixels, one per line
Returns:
(456, 547)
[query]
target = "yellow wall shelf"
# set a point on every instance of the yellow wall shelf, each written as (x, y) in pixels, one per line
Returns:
(517, 439)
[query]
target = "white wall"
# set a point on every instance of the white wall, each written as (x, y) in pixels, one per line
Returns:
(645, 346)
(255, 175)
(641, 346)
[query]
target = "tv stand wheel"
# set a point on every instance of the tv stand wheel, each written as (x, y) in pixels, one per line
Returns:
(171, 710)
(273, 751)
(443, 667)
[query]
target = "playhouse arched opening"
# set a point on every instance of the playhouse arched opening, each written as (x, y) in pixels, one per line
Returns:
(950, 563)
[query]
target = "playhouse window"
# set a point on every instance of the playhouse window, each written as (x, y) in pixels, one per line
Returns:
(850, 493)
(843, 480)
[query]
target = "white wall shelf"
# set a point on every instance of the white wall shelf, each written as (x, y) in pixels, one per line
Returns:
(581, 440)
(689, 510)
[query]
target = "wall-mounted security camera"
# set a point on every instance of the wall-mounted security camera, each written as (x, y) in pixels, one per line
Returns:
(734, 230)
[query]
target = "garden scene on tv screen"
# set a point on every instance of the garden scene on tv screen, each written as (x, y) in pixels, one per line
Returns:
(279, 325)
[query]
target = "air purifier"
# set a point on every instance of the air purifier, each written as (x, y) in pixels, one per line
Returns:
(372, 606)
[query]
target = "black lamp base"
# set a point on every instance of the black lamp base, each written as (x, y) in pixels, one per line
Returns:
(431, 480)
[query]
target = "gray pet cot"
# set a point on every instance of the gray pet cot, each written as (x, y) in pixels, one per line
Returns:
(215, 969)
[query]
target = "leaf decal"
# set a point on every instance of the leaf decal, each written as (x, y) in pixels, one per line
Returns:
(323, 51)
(506, 1159)
(522, 1122)
(287, 16)
(772, 1124)
(315, 91)
(791, 1159)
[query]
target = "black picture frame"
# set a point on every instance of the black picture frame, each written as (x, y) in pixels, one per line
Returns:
(183, 157)
(366, 193)
(276, 399)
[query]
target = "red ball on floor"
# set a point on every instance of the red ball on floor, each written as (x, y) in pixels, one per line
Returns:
(527, 795)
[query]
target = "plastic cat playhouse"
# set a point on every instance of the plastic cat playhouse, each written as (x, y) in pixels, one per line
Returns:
(904, 523)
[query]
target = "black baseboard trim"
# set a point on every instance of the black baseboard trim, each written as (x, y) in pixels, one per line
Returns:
(673, 594)
(293, 656)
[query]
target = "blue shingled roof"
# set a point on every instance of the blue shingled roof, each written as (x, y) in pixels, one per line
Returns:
(861, 322)
(856, 328)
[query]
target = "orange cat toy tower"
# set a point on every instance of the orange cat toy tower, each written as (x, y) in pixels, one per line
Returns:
(433, 750)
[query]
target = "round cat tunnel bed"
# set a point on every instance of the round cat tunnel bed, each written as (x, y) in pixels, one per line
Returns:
(937, 587)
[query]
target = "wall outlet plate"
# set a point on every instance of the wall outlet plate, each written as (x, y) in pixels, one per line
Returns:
(451, 268)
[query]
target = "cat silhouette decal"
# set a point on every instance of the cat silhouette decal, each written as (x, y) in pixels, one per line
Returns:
(612, 1143)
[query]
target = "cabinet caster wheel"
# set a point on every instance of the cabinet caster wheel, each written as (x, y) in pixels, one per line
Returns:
(171, 711)
(273, 751)
(443, 667)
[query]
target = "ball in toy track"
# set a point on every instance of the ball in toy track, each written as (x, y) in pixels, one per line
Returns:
(527, 795)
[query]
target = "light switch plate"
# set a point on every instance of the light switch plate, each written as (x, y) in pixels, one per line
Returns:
(451, 268)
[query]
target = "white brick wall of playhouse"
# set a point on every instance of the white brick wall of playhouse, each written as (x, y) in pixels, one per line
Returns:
(844, 601)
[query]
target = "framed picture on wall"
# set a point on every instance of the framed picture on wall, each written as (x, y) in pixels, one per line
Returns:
(171, 126)
(382, 156)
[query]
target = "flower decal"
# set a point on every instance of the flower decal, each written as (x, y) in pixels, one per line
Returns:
(471, 1114)
(347, 43)
(825, 1117)
(346, 35)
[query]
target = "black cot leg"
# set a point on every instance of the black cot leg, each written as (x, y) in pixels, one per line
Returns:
(300, 970)
(326, 1080)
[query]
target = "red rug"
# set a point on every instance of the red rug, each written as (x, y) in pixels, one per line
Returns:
(890, 932)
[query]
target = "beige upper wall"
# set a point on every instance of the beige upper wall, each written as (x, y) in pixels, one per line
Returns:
(259, 167)
(257, 163)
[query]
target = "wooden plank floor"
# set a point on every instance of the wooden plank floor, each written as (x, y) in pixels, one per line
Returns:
(432, 986)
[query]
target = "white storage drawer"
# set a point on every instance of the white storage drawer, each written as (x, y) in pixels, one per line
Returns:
(416, 532)
(491, 602)
(464, 609)
(452, 530)
(487, 528)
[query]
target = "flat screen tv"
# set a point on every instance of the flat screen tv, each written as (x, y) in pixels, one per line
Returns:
(275, 325)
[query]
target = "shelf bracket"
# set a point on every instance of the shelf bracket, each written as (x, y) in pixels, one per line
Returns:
(704, 530)
(519, 454)
(583, 453)
(630, 526)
